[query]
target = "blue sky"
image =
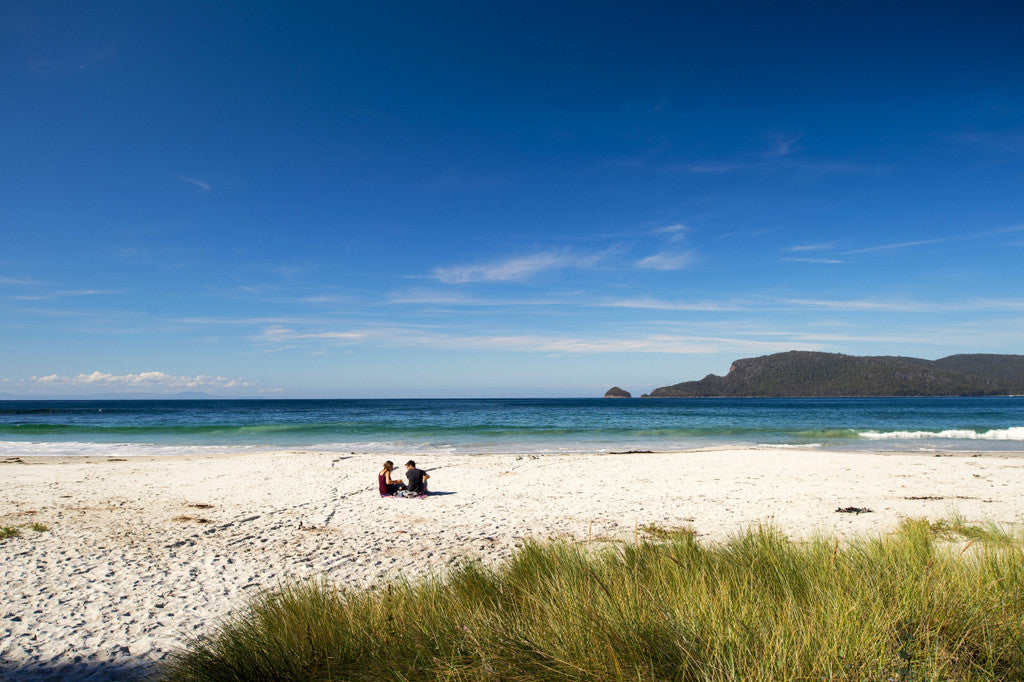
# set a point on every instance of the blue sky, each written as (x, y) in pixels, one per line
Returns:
(499, 199)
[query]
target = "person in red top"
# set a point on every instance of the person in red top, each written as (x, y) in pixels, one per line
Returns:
(387, 486)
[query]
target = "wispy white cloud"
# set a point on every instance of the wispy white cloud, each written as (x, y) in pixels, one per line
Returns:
(909, 306)
(516, 269)
(914, 338)
(783, 145)
(196, 183)
(903, 337)
(1007, 230)
(900, 245)
(845, 334)
(280, 338)
(19, 281)
(838, 305)
(810, 248)
(429, 297)
(821, 246)
(668, 344)
(448, 298)
(675, 232)
(900, 305)
(1008, 143)
(129, 253)
(646, 303)
(420, 297)
(326, 298)
(666, 261)
(715, 167)
(870, 305)
(247, 320)
(64, 63)
(62, 294)
(995, 304)
(280, 335)
(998, 335)
(785, 164)
(143, 382)
(293, 269)
(960, 237)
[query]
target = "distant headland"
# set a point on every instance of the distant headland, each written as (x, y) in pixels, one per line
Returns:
(813, 374)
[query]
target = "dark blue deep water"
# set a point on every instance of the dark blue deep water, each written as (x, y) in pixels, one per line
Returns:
(519, 425)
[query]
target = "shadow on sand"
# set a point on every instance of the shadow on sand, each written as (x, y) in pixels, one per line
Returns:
(432, 493)
(77, 671)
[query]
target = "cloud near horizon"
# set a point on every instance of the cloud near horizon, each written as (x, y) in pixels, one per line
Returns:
(152, 382)
(399, 336)
(652, 343)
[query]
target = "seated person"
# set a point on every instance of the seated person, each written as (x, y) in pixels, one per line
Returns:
(417, 479)
(385, 484)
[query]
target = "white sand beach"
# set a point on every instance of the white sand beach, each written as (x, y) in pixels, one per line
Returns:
(143, 553)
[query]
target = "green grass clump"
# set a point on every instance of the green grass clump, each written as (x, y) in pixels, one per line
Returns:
(9, 532)
(758, 607)
(15, 531)
(656, 532)
(956, 526)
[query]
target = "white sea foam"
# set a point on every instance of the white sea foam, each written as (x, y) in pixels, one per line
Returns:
(79, 449)
(1012, 433)
(85, 449)
(790, 446)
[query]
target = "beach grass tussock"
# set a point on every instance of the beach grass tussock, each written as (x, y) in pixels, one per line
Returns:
(9, 532)
(906, 606)
(956, 526)
(15, 531)
(658, 532)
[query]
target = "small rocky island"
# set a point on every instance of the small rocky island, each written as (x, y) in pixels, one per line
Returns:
(616, 392)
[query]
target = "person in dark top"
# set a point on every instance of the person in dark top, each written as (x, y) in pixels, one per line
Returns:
(417, 478)
(385, 484)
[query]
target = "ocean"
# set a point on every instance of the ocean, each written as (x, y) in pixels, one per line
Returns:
(541, 426)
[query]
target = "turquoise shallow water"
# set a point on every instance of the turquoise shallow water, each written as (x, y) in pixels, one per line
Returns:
(519, 425)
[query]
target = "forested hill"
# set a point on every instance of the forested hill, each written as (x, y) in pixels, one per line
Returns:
(804, 373)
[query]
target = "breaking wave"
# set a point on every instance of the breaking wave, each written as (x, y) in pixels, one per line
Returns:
(1012, 433)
